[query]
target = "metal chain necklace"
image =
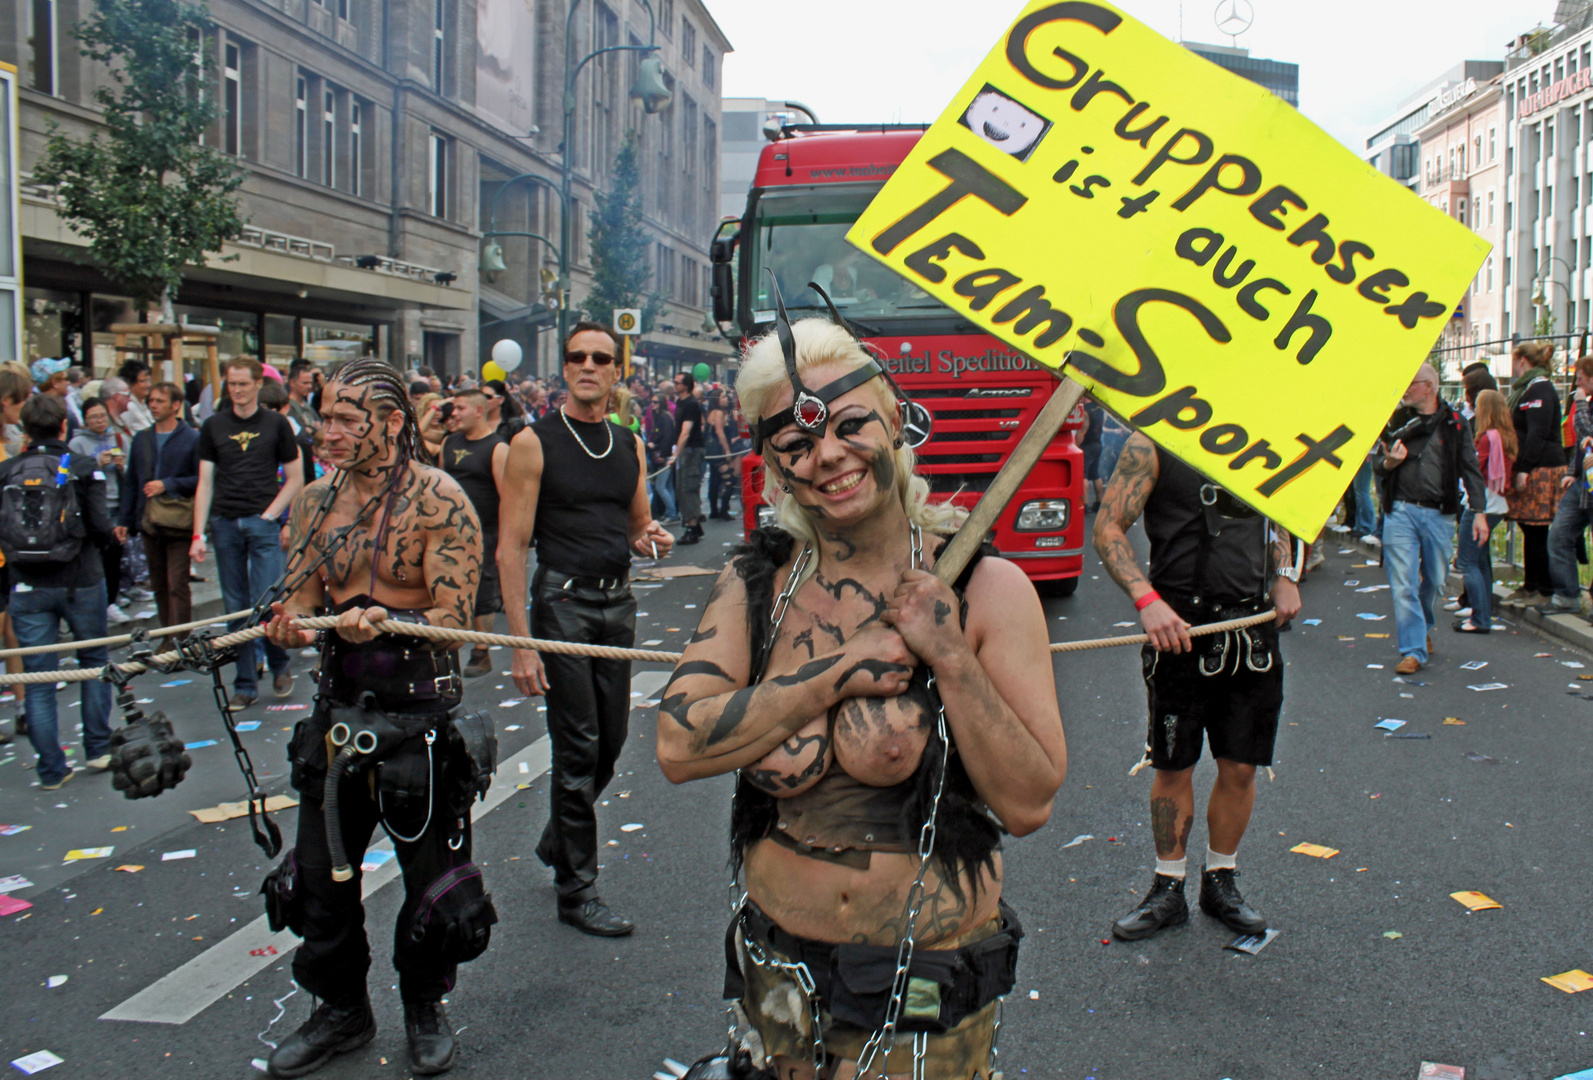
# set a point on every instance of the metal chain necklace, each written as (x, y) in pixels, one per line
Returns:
(577, 438)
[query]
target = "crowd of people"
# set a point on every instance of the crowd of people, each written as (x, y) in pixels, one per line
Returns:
(1447, 474)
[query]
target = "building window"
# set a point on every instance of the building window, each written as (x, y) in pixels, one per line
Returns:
(41, 45)
(329, 138)
(342, 10)
(1490, 205)
(708, 73)
(437, 175)
(1493, 144)
(438, 43)
(1460, 210)
(1476, 152)
(666, 16)
(301, 128)
(1488, 270)
(356, 132)
(232, 99)
(688, 43)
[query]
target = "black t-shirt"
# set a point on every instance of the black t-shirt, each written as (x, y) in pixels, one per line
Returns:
(470, 462)
(584, 503)
(246, 454)
(686, 409)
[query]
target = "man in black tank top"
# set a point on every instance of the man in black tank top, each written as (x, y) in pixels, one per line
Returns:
(1211, 559)
(576, 482)
(474, 454)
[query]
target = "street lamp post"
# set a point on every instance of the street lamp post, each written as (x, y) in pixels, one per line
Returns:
(492, 254)
(1539, 295)
(568, 134)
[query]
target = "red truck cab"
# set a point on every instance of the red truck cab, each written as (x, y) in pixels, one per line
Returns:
(981, 394)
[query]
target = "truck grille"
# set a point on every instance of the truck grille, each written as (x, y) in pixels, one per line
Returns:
(976, 414)
(949, 483)
(959, 459)
(970, 436)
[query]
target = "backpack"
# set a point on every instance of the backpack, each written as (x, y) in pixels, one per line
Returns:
(40, 519)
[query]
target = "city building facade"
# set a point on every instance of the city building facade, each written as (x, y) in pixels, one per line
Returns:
(1548, 252)
(1393, 147)
(1463, 152)
(1279, 76)
(381, 139)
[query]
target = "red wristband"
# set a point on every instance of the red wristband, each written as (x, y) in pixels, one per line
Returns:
(1147, 600)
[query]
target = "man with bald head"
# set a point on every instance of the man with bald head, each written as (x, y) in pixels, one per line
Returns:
(1426, 455)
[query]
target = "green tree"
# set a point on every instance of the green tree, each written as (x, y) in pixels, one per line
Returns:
(1545, 322)
(146, 193)
(621, 245)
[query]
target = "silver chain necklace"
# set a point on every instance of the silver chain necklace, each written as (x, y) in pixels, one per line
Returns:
(577, 438)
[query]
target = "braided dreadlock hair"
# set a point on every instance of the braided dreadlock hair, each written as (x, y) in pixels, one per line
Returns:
(388, 392)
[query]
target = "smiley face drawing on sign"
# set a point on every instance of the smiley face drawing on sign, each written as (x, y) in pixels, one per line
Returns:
(1010, 127)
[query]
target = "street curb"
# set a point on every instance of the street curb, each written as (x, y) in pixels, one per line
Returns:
(1571, 629)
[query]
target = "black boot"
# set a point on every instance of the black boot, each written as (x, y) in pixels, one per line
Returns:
(692, 535)
(1219, 898)
(1162, 907)
(333, 1028)
(432, 1046)
(592, 916)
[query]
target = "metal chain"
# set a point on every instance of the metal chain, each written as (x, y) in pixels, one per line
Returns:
(886, 1036)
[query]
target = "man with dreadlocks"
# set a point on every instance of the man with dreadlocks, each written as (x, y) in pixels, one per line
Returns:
(389, 537)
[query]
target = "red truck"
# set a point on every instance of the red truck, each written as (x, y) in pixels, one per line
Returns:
(981, 395)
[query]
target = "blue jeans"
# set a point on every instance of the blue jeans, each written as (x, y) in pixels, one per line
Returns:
(664, 491)
(1365, 502)
(1571, 519)
(1475, 562)
(37, 613)
(249, 560)
(1416, 544)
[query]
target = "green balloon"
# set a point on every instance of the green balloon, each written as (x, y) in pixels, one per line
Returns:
(702, 372)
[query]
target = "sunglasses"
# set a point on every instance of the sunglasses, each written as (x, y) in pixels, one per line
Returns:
(601, 359)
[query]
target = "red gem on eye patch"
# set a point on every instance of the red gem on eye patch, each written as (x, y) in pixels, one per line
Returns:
(809, 411)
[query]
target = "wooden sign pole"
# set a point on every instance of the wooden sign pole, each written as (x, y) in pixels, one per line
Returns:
(982, 518)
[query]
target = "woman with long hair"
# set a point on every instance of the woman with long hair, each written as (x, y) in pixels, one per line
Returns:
(1495, 438)
(826, 667)
(1540, 462)
(722, 474)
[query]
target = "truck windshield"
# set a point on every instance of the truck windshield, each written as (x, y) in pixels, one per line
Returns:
(801, 236)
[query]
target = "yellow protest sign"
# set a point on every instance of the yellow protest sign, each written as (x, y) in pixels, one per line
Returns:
(1217, 269)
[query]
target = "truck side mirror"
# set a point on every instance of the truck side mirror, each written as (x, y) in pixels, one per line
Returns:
(722, 254)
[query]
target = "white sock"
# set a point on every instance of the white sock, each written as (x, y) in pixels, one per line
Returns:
(1216, 861)
(1173, 868)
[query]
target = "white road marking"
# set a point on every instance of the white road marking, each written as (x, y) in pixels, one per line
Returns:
(183, 994)
(645, 686)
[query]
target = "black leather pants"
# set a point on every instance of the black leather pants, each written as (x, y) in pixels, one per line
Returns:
(588, 715)
(335, 955)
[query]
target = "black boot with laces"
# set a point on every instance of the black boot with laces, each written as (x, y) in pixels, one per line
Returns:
(432, 1046)
(1162, 907)
(333, 1028)
(1219, 898)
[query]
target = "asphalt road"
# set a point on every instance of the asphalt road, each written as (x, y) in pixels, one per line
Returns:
(1334, 995)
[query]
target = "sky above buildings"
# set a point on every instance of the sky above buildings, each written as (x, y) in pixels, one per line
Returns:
(860, 60)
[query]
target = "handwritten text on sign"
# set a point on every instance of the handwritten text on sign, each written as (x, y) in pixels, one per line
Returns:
(1219, 271)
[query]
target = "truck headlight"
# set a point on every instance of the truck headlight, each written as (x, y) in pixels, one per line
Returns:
(1043, 515)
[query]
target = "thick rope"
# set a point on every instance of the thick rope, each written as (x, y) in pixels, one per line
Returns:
(120, 639)
(565, 648)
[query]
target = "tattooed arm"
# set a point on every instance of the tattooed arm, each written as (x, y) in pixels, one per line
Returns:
(711, 721)
(1285, 593)
(996, 684)
(517, 518)
(452, 562)
(303, 551)
(1121, 505)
